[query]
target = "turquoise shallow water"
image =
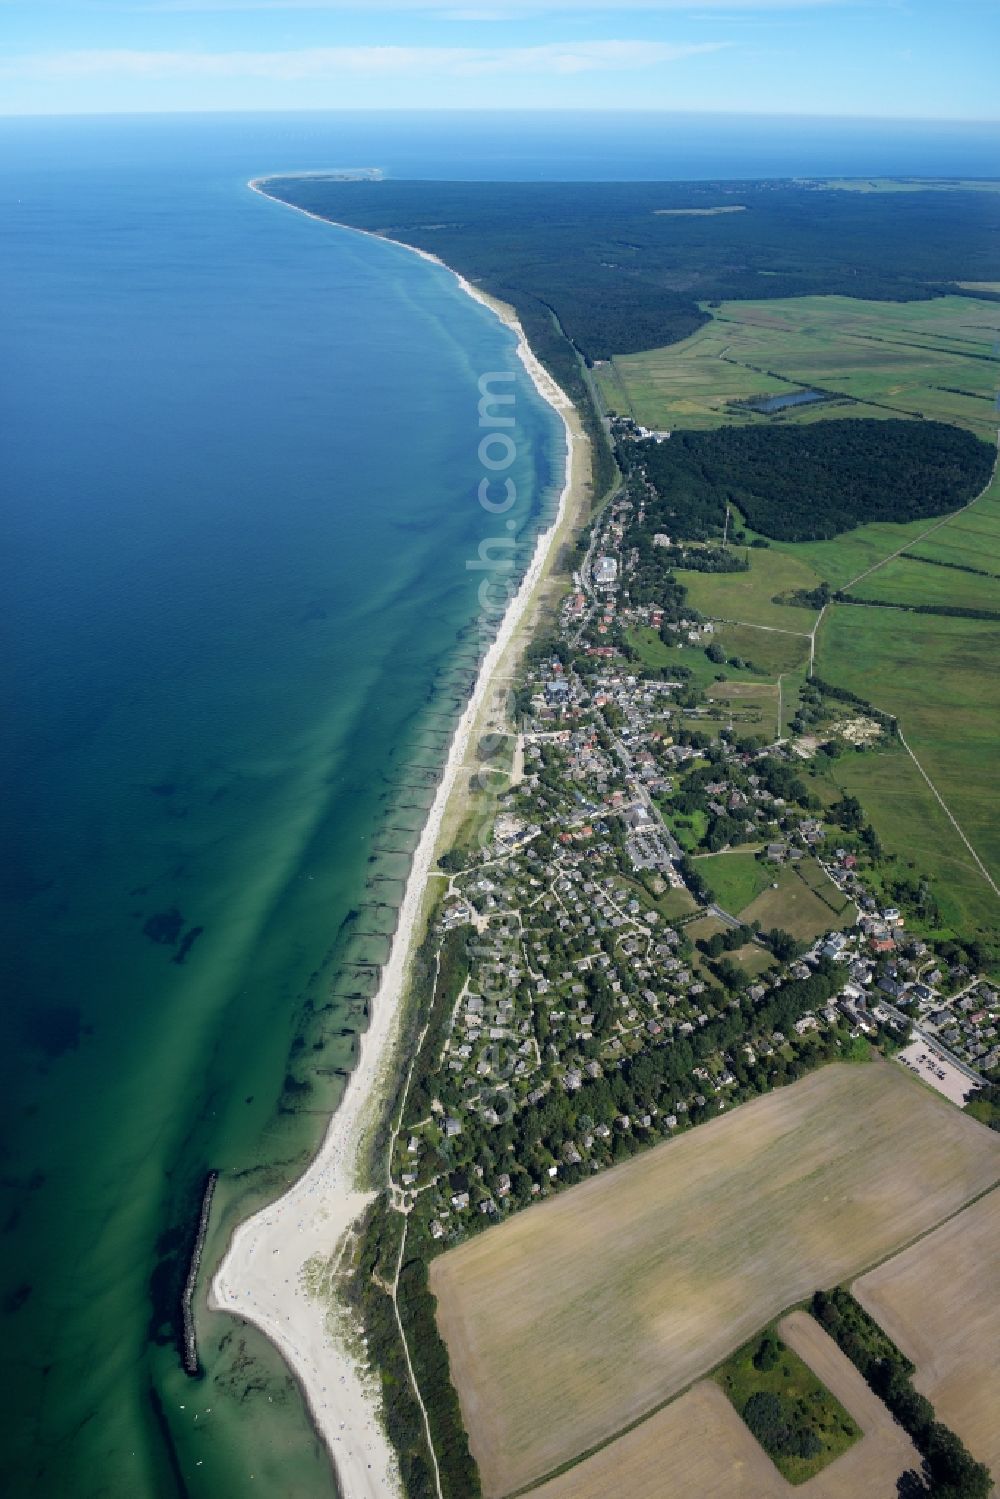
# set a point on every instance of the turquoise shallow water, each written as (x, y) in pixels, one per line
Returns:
(240, 463)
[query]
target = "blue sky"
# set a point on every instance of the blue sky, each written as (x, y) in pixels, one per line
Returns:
(929, 59)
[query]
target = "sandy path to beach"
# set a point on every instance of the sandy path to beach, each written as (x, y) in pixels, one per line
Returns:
(262, 1275)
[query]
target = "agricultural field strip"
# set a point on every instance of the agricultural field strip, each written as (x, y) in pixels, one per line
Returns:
(507, 1344)
(913, 582)
(938, 1300)
(867, 342)
(781, 1317)
(906, 361)
(699, 1445)
(933, 732)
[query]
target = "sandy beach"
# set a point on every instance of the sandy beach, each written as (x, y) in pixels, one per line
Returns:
(262, 1276)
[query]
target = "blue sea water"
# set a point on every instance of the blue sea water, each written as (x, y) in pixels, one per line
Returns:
(238, 459)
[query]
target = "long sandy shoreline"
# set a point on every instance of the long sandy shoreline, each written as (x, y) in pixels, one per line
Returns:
(262, 1274)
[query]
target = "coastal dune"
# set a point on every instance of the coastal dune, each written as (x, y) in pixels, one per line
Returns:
(263, 1276)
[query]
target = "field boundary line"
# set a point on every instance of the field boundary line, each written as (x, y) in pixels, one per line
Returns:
(919, 1238)
(949, 814)
(654, 1410)
(812, 641)
(749, 625)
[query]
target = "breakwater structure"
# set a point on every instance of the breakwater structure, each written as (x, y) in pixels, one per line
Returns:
(189, 1350)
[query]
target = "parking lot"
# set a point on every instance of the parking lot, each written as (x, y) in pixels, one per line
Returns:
(923, 1058)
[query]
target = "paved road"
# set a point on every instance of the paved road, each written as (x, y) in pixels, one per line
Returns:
(717, 911)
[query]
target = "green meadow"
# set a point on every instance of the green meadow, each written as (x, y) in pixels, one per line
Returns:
(802, 900)
(751, 707)
(748, 598)
(938, 675)
(908, 580)
(771, 651)
(872, 359)
(735, 879)
(839, 561)
(912, 826)
(656, 656)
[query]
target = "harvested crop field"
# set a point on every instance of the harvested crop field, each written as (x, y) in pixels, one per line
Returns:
(939, 1301)
(576, 1317)
(698, 1445)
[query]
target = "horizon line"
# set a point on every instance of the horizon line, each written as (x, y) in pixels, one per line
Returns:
(551, 110)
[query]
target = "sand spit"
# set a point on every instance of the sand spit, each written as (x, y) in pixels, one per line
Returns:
(263, 1274)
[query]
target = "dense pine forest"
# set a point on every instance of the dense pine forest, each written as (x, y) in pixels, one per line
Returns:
(602, 268)
(810, 482)
(621, 271)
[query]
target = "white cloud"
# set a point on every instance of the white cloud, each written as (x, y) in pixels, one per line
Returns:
(324, 62)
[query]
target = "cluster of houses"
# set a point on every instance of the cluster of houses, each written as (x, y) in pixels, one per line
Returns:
(575, 965)
(967, 1023)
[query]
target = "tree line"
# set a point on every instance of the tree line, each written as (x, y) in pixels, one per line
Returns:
(952, 1471)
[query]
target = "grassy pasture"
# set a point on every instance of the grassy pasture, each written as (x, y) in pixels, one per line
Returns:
(971, 536)
(939, 1301)
(576, 1317)
(746, 598)
(911, 824)
(976, 546)
(767, 649)
(844, 557)
(674, 904)
(907, 580)
(968, 539)
(735, 879)
(655, 655)
(705, 926)
(753, 959)
(687, 384)
(937, 675)
(931, 359)
(752, 706)
(806, 903)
